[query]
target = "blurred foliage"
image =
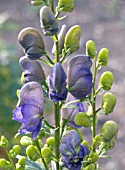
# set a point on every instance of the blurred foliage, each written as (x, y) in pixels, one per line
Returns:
(9, 83)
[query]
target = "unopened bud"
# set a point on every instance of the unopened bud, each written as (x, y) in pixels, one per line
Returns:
(16, 149)
(72, 39)
(25, 141)
(109, 130)
(3, 142)
(95, 157)
(91, 49)
(66, 5)
(90, 167)
(4, 164)
(32, 153)
(103, 57)
(22, 160)
(82, 119)
(50, 142)
(38, 2)
(106, 80)
(108, 102)
(46, 152)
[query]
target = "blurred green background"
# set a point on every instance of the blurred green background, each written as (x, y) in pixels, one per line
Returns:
(101, 21)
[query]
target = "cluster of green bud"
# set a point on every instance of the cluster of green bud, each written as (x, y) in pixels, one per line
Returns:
(82, 119)
(91, 49)
(3, 142)
(72, 39)
(108, 103)
(15, 151)
(4, 164)
(32, 152)
(106, 80)
(20, 165)
(109, 131)
(47, 154)
(103, 57)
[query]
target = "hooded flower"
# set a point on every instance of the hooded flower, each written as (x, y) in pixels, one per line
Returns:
(57, 83)
(79, 76)
(73, 152)
(29, 109)
(70, 113)
(32, 70)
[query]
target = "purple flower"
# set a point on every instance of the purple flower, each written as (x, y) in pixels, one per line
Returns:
(70, 113)
(32, 70)
(57, 83)
(29, 109)
(79, 76)
(73, 152)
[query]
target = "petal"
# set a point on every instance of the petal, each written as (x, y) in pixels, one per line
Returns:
(17, 115)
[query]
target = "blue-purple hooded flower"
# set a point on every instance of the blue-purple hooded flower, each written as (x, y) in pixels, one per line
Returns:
(32, 70)
(29, 109)
(72, 151)
(57, 83)
(79, 77)
(70, 113)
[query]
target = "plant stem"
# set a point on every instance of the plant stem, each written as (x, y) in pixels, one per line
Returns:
(94, 106)
(57, 132)
(46, 55)
(57, 48)
(11, 161)
(52, 6)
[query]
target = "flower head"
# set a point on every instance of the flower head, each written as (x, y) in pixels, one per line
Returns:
(32, 70)
(29, 109)
(79, 76)
(57, 83)
(73, 152)
(70, 113)
(32, 42)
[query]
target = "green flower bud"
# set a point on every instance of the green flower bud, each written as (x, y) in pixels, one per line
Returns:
(38, 2)
(32, 153)
(48, 21)
(85, 142)
(72, 39)
(90, 167)
(95, 157)
(97, 140)
(25, 141)
(50, 142)
(108, 102)
(22, 160)
(16, 149)
(66, 5)
(103, 57)
(91, 49)
(4, 164)
(3, 142)
(82, 119)
(46, 152)
(106, 80)
(109, 130)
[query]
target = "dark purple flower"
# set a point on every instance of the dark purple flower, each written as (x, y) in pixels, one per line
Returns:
(79, 76)
(57, 83)
(70, 113)
(29, 109)
(32, 70)
(73, 152)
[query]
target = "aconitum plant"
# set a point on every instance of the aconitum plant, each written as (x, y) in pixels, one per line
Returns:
(61, 146)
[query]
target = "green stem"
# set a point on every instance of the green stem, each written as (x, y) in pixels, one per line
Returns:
(46, 55)
(11, 161)
(94, 106)
(52, 6)
(57, 48)
(57, 132)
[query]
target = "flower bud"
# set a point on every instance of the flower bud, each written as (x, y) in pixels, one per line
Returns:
(108, 102)
(91, 49)
(48, 21)
(106, 80)
(32, 153)
(94, 157)
(85, 142)
(38, 2)
(61, 38)
(22, 160)
(66, 5)
(46, 152)
(90, 167)
(103, 57)
(109, 130)
(82, 119)
(50, 142)
(25, 141)
(72, 39)
(16, 149)
(3, 142)
(32, 42)
(4, 164)
(97, 140)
